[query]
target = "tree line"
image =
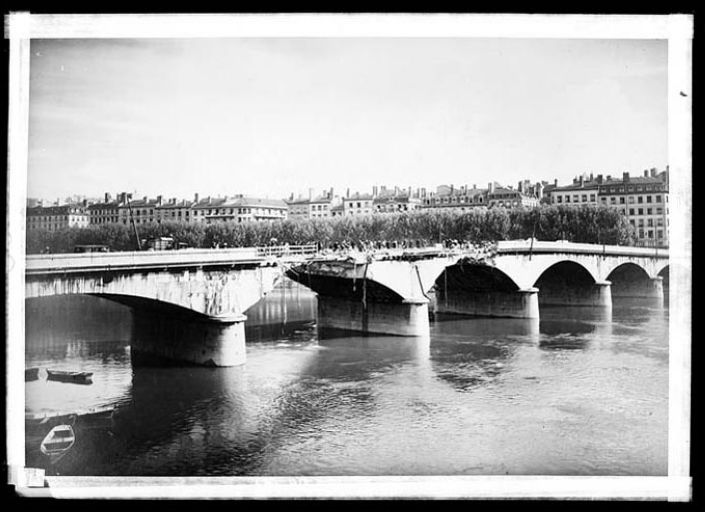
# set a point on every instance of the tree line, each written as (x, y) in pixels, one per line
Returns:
(586, 224)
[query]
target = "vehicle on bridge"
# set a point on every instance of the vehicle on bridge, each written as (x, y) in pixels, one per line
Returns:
(163, 243)
(91, 248)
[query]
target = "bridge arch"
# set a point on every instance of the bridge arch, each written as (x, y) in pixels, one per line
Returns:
(569, 283)
(475, 278)
(567, 272)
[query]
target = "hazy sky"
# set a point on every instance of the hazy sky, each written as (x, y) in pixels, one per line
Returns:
(274, 116)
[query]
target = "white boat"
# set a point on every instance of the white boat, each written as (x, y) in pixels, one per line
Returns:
(58, 441)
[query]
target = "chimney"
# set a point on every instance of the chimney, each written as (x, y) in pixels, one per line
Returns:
(310, 194)
(653, 172)
(195, 197)
(84, 202)
(159, 200)
(592, 178)
(599, 179)
(625, 177)
(396, 191)
(107, 197)
(609, 177)
(331, 193)
(423, 191)
(490, 187)
(580, 180)
(144, 199)
(520, 186)
(646, 173)
(374, 191)
(347, 192)
(451, 189)
(555, 182)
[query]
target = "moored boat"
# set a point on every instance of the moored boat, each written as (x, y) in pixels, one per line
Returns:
(68, 376)
(58, 441)
(31, 374)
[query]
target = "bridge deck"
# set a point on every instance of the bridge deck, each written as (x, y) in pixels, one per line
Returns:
(99, 262)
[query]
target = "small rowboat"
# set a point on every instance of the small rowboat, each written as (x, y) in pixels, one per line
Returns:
(64, 376)
(31, 374)
(57, 442)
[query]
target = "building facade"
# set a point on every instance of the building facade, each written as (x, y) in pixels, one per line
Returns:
(312, 206)
(53, 218)
(643, 200)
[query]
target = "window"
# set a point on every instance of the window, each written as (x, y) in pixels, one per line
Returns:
(641, 211)
(659, 211)
(650, 223)
(567, 199)
(592, 198)
(658, 199)
(575, 198)
(359, 205)
(651, 233)
(648, 199)
(621, 200)
(631, 199)
(631, 211)
(584, 198)
(659, 233)
(632, 222)
(613, 200)
(648, 211)
(640, 199)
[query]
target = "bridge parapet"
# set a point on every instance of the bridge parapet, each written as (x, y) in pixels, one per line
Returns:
(566, 247)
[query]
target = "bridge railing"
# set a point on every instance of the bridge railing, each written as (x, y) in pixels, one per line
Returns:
(287, 250)
(564, 246)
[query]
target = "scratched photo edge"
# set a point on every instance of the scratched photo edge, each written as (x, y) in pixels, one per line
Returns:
(675, 486)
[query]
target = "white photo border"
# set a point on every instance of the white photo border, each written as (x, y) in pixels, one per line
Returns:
(22, 27)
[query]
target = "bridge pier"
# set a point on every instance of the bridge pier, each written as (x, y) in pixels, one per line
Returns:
(595, 295)
(407, 318)
(515, 304)
(197, 340)
(651, 288)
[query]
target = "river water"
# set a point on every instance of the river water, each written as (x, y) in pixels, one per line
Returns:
(579, 393)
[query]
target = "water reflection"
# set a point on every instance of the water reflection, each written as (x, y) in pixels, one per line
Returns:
(583, 391)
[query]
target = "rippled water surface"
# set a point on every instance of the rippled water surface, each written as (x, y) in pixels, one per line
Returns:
(578, 393)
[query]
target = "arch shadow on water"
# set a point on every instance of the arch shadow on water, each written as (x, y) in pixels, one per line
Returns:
(470, 352)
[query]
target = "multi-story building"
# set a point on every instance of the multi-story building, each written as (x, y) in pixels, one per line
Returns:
(238, 209)
(337, 211)
(583, 190)
(395, 203)
(57, 217)
(358, 204)
(256, 209)
(107, 212)
(174, 210)
(642, 199)
(142, 211)
(312, 206)
(498, 196)
(448, 197)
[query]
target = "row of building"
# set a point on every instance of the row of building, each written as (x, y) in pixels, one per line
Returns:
(642, 199)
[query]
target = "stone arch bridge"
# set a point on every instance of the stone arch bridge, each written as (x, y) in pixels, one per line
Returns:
(392, 293)
(189, 305)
